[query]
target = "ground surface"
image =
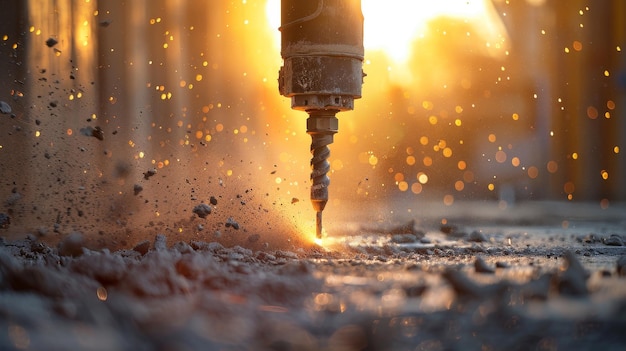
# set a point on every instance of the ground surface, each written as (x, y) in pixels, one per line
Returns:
(465, 285)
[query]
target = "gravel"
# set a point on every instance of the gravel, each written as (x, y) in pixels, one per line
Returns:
(379, 294)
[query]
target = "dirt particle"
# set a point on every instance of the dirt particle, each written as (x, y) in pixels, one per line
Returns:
(202, 210)
(213, 201)
(230, 222)
(149, 173)
(51, 42)
(95, 132)
(137, 189)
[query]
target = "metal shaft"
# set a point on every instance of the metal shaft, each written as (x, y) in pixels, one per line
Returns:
(321, 125)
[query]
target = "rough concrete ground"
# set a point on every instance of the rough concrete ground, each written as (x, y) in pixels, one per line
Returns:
(466, 284)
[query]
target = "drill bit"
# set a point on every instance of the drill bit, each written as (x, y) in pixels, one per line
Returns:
(318, 224)
(321, 125)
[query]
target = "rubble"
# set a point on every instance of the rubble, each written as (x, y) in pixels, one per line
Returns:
(156, 294)
(202, 210)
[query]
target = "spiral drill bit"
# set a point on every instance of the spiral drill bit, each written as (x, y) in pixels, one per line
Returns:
(321, 125)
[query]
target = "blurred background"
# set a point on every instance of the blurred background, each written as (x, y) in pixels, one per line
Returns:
(124, 115)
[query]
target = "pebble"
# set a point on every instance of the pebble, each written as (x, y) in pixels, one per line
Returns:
(51, 42)
(137, 189)
(202, 210)
(477, 237)
(573, 281)
(614, 240)
(230, 222)
(482, 267)
(502, 264)
(149, 173)
(5, 108)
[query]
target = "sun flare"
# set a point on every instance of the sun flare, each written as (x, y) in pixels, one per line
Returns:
(393, 26)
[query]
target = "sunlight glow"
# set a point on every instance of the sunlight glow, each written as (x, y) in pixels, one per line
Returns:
(392, 26)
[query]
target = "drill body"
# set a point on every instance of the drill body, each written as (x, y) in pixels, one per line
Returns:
(322, 73)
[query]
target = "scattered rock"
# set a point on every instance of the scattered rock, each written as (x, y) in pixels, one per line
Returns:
(137, 189)
(573, 281)
(95, 132)
(143, 247)
(448, 228)
(286, 254)
(477, 237)
(5, 108)
(425, 240)
(482, 267)
(590, 238)
(452, 231)
(614, 240)
(51, 42)
(202, 210)
(230, 222)
(149, 173)
(72, 245)
(502, 264)
(213, 201)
